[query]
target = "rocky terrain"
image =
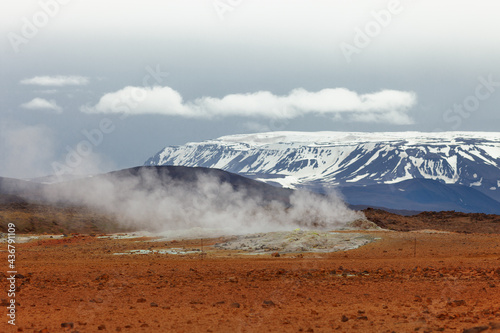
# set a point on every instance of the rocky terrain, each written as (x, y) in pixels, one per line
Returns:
(296, 241)
(402, 282)
(444, 221)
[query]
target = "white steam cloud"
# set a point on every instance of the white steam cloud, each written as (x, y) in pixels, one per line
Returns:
(57, 80)
(147, 202)
(25, 150)
(389, 106)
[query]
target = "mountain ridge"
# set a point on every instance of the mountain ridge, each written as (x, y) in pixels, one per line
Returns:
(318, 160)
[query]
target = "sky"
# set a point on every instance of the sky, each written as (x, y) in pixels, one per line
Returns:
(93, 86)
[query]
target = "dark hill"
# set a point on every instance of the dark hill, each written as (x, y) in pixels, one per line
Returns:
(418, 195)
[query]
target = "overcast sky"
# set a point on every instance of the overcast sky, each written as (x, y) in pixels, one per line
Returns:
(92, 86)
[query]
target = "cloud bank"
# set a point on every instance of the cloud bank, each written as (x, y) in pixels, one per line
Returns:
(57, 81)
(41, 103)
(389, 106)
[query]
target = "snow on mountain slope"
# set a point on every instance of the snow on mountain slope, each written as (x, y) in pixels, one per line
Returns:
(312, 159)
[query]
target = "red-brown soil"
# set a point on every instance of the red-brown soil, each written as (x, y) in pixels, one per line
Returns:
(404, 282)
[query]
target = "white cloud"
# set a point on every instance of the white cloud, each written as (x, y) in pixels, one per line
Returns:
(57, 80)
(385, 106)
(41, 103)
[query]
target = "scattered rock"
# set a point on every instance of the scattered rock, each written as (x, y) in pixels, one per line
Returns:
(235, 305)
(495, 326)
(154, 305)
(101, 327)
(70, 325)
(344, 318)
(233, 279)
(197, 301)
(267, 304)
(477, 329)
(442, 316)
(141, 300)
(275, 254)
(455, 303)
(103, 277)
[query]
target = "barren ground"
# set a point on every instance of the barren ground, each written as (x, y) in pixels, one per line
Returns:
(451, 284)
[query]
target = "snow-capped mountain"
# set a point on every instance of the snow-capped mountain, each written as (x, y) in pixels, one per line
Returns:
(324, 159)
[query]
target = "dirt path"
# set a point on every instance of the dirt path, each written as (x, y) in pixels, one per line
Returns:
(452, 284)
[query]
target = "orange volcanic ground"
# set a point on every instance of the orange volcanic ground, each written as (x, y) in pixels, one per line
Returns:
(403, 282)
